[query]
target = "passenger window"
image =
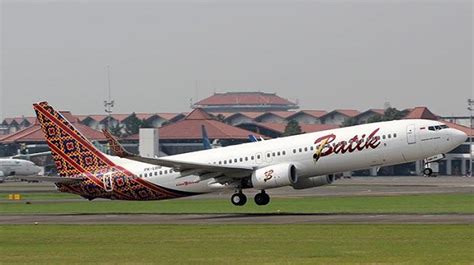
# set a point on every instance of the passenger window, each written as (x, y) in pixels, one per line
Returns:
(258, 156)
(311, 148)
(284, 153)
(273, 154)
(252, 157)
(230, 161)
(235, 160)
(156, 173)
(141, 176)
(294, 151)
(161, 172)
(394, 135)
(301, 150)
(146, 175)
(278, 154)
(383, 136)
(268, 155)
(246, 158)
(389, 136)
(241, 159)
(225, 162)
(306, 149)
(220, 162)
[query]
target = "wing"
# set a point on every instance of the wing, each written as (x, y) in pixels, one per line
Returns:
(205, 171)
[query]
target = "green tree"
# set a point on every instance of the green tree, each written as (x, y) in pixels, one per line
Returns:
(292, 128)
(132, 124)
(116, 130)
(351, 121)
(391, 114)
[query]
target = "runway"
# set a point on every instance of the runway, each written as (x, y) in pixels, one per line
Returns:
(202, 219)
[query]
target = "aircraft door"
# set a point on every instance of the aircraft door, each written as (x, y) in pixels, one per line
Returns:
(411, 136)
(108, 181)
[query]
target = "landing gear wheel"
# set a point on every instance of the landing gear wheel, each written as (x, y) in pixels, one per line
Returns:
(262, 198)
(427, 171)
(238, 199)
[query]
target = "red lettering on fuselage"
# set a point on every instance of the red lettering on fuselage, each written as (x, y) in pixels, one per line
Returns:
(354, 144)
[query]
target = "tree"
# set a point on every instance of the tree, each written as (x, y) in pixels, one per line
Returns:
(116, 130)
(292, 128)
(391, 114)
(132, 124)
(351, 121)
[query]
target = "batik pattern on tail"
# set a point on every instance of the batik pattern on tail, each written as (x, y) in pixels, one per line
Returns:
(115, 147)
(75, 156)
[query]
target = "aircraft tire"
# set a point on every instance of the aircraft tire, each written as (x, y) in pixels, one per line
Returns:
(238, 199)
(262, 198)
(427, 171)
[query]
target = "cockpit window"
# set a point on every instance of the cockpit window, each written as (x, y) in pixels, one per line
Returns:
(437, 127)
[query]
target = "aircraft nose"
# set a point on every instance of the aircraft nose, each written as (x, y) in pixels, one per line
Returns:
(458, 136)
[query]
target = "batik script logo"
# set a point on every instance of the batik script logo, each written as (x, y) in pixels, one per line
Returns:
(356, 143)
(268, 175)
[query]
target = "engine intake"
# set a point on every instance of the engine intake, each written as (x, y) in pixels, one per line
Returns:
(274, 176)
(305, 183)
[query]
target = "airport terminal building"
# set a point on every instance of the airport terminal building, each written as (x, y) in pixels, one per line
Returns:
(229, 119)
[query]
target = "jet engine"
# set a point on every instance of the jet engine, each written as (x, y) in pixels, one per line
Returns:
(274, 176)
(305, 183)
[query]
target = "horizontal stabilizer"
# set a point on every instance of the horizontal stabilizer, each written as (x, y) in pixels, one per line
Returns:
(55, 179)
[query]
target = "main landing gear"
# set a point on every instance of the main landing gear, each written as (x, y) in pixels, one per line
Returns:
(239, 199)
(262, 198)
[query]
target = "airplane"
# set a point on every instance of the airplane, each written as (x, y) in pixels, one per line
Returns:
(17, 167)
(301, 161)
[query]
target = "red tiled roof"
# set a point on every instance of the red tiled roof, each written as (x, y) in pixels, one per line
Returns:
(378, 111)
(248, 114)
(421, 113)
(281, 114)
(244, 98)
(190, 128)
(34, 134)
(306, 128)
(314, 113)
(466, 130)
(168, 116)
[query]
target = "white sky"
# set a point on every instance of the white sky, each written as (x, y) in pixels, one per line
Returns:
(327, 54)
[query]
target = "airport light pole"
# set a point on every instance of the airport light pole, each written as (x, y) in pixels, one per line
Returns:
(109, 104)
(470, 103)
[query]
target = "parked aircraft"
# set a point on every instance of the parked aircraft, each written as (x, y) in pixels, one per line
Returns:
(301, 161)
(17, 167)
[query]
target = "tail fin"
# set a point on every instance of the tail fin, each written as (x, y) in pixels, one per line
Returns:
(205, 140)
(115, 147)
(72, 152)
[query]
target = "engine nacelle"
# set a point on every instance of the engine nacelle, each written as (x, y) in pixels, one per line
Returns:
(274, 176)
(305, 183)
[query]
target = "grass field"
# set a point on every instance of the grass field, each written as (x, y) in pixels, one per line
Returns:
(237, 244)
(429, 203)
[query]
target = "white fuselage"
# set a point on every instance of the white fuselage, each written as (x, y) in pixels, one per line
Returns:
(399, 142)
(17, 167)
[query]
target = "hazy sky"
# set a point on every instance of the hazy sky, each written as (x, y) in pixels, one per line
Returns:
(325, 54)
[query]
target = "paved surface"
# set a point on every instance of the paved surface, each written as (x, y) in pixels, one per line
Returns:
(355, 186)
(240, 219)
